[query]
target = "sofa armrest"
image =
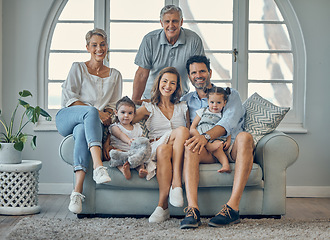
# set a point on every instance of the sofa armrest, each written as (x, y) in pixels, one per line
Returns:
(66, 149)
(275, 152)
(66, 154)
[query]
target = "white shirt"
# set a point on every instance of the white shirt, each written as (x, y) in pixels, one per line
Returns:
(92, 90)
(119, 144)
(158, 124)
(200, 112)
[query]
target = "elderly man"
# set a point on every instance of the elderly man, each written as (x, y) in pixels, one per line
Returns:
(240, 152)
(170, 46)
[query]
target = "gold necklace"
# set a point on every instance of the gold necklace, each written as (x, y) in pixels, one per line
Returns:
(97, 70)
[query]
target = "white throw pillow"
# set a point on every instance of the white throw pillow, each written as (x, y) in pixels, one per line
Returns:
(262, 117)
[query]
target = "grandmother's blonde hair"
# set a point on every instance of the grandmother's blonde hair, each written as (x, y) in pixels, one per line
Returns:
(96, 31)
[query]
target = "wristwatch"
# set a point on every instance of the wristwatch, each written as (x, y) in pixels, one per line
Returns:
(207, 137)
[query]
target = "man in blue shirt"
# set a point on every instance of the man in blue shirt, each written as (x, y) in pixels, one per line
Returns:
(170, 46)
(241, 150)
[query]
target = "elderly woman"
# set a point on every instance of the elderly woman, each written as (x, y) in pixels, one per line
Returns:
(89, 94)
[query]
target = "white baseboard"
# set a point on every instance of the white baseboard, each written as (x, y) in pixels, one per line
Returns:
(291, 191)
(308, 191)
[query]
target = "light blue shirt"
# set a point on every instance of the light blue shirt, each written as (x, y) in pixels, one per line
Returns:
(156, 53)
(232, 116)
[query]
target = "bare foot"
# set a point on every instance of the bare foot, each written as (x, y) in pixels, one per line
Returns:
(143, 172)
(225, 169)
(125, 169)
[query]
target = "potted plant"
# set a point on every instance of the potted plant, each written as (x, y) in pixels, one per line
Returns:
(13, 141)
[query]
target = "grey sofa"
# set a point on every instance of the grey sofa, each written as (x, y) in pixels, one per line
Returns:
(264, 195)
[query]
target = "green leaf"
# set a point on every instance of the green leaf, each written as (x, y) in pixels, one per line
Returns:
(33, 114)
(45, 114)
(22, 138)
(34, 142)
(19, 146)
(23, 103)
(36, 114)
(25, 93)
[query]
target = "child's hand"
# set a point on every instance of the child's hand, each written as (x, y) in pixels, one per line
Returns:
(226, 145)
(130, 141)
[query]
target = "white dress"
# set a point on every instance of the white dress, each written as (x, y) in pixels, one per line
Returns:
(161, 127)
(119, 144)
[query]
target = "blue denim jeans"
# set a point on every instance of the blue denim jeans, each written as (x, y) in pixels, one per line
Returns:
(85, 125)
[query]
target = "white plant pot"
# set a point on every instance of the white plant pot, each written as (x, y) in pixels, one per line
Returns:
(8, 154)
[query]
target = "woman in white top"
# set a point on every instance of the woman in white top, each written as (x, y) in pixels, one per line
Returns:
(88, 96)
(167, 120)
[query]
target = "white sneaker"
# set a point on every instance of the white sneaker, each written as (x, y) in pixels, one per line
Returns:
(176, 197)
(76, 200)
(159, 215)
(100, 175)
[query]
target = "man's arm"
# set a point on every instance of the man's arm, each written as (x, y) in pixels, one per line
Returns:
(139, 84)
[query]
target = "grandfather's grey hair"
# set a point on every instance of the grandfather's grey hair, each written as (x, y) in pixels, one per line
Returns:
(170, 8)
(96, 31)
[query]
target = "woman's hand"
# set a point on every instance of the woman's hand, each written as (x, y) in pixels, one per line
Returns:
(106, 148)
(105, 118)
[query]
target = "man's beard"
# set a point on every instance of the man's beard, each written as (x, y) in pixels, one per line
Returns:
(202, 85)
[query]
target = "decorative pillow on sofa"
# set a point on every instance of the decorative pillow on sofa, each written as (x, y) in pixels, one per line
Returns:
(262, 116)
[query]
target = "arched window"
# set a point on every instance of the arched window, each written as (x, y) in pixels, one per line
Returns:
(254, 46)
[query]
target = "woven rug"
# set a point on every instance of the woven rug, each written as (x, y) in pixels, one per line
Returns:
(140, 228)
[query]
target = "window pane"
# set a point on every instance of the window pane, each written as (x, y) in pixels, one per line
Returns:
(214, 36)
(265, 66)
(54, 95)
(128, 89)
(135, 10)
(124, 63)
(264, 10)
(208, 10)
(70, 36)
(268, 37)
(60, 64)
(279, 94)
(78, 10)
(221, 65)
(129, 35)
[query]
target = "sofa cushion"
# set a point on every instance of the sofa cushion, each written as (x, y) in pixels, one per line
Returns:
(262, 117)
(209, 177)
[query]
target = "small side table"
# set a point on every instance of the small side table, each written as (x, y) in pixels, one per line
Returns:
(19, 188)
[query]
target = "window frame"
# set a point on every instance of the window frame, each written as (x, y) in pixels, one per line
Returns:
(294, 124)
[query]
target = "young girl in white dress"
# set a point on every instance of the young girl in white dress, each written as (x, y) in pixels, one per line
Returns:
(166, 120)
(122, 134)
(207, 118)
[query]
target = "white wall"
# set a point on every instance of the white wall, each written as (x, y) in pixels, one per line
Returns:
(313, 165)
(1, 53)
(22, 23)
